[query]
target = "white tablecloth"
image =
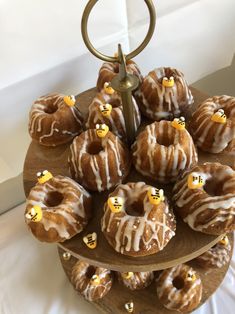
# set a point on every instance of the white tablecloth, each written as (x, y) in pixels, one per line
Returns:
(32, 279)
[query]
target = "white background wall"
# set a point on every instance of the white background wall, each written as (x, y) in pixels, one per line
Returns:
(41, 51)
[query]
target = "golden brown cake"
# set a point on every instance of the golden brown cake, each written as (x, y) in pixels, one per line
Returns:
(107, 108)
(164, 94)
(57, 208)
(137, 220)
(217, 256)
(205, 198)
(90, 281)
(54, 120)
(213, 124)
(137, 280)
(179, 288)
(98, 163)
(109, 70)
(161, 151)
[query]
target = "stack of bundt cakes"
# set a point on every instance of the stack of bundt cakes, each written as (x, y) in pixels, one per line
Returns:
(137, 218)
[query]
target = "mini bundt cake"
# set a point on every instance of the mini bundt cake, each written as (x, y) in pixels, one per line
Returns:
(57, 208)
(90, 281)
(205, 198)
(136, 281)
(54, 120)
(137, 220)
(164, 94)
(109, 70)
(213, 124)
(179, 288)
(107, 108)
(163, 150)
(217, 256)
(98, 159)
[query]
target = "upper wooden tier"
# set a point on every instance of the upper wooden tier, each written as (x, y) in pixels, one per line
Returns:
(186, 245)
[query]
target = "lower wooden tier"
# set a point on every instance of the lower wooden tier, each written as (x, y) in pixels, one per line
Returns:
(146, 301)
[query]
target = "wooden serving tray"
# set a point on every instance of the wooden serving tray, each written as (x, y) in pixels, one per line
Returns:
(186, 245)
(146, 300)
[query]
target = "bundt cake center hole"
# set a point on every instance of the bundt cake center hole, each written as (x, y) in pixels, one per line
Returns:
(94, 148)
(135, 209)
(213, 187)
(50, 109)
(90, 272)
(178, 282)
(54, 198)
(164, 140)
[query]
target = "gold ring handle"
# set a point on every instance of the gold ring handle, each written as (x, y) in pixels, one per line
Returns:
(132, 54)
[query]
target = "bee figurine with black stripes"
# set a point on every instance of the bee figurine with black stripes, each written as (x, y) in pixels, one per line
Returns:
(155, 195)
(90, 240)
(44, 176)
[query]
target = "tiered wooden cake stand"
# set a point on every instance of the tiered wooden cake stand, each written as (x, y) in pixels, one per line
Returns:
(186, 245)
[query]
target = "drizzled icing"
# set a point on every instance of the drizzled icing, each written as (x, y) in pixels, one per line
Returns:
(48, 127)
(138, 235)
(202, 211)
(109, 70)
(68, 218)
(209, 135)
(163, 163)
(115, 120)
(105, 169)
(84, 285)
(138, 280)
(159, 102)
(185, 299)
(217, 256)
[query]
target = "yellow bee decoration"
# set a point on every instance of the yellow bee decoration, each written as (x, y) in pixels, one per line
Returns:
(195, 181)
(129, 306)
(108, 89)
(44, 176)
(91, 240)
(179, 123)
(219, 116)
(70, 100)
(191, 276)
(224, 241)
(115, 204)
(168, 82)
(101, 130)
(127, 275)
(66, 256)
(155, 196)
(95, 280)
(34, 214)
(106, 110)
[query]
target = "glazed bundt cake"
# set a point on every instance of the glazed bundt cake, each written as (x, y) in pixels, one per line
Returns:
(164, 94)
(213, 124)
(54, 120)
(163, 150)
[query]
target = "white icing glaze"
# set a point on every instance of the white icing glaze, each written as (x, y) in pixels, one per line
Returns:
(66, 215)
(44, 126)
(130, 230)
(138, 280)
(197, 201)
(211, 136)
(165, 162)
(168, 101)
(178, 299)
(81, 283)
(217, 256)
(111, 151)
(116, 120)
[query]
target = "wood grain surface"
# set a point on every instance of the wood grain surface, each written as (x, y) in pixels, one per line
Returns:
(186, 245)
(146, 301)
